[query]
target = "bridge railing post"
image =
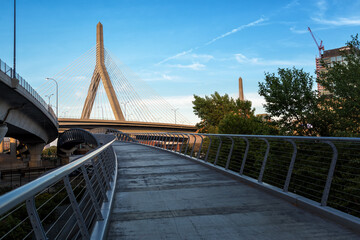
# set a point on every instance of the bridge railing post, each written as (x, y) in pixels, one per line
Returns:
(77, 212)
(201, 144)
(218, 151)
(330, 175)
(34, 219)
(291, 165)
(245, 155)
(230, 153)
(261, 174)
(208, 150)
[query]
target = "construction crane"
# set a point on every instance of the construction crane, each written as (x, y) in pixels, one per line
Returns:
(321, 46)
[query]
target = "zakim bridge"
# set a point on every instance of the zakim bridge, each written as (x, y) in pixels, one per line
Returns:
(99, 90)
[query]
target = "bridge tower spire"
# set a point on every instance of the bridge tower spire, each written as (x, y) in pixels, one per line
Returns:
(101, 72)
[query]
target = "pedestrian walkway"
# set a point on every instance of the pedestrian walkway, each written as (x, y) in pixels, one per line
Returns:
(161, 195)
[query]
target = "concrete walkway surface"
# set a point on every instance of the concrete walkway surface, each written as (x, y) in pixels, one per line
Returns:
(163, 196)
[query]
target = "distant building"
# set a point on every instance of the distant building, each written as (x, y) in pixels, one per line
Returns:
(329, 57)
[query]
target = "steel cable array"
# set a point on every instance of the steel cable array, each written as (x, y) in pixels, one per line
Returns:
(138, 101)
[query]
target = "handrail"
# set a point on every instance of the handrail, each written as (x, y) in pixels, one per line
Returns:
(323, 170)
(26, 86)
(13, 198)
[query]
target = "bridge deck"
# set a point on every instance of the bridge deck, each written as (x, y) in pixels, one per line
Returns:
(164, 196)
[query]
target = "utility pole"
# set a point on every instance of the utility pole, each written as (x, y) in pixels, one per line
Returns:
(175, 113)
(14, 66)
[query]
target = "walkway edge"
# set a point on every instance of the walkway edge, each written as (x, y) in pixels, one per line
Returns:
(311, 206)
(101, 227)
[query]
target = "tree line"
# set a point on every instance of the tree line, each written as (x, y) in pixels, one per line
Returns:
(293, 107)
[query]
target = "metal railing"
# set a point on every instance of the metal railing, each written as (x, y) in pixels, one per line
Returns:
(68, 202)
(25, 85)
(325, 170)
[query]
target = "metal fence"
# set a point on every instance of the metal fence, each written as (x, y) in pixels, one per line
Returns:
(325, 170)
(67, 203)
(9, 72)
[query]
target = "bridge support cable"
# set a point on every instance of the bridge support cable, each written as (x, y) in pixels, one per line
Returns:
(94, 86)
(317, 173)
(153, 97)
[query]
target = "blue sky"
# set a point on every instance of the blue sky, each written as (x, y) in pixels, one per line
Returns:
(179, 48)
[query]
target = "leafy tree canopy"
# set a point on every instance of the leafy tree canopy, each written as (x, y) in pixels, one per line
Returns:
(212, 109)
(290, 100)
(342, 81)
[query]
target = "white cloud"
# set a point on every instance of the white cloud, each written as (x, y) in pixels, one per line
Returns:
(294, 30)
(242, 59)
(176, 56)
(321, 6)
(339, 21)
(235, 30)
(292, 4)
(203, 57)
(194, 66)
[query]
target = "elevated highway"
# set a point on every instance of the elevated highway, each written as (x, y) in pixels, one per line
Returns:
(24, 115)
(124, 126)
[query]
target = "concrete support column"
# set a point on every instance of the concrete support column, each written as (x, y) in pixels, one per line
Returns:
(35, 154)
(2, 146)
(3, 131)
(13, 147)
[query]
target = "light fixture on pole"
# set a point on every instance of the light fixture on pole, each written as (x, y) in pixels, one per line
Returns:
(175, 113)
(125, 108)
(49, 96)
(57, 96)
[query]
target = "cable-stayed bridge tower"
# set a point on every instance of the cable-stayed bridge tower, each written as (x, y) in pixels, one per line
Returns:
(101, 72)
(98, 90)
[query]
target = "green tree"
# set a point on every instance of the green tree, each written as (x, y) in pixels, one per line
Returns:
(233, 123)
(290, 100)
(211, 110)
(342, 81)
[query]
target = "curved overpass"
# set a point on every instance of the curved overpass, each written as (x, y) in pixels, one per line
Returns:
(25, 114)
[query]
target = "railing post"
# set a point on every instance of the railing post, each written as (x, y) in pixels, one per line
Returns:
(89, 188)
(75, 206)
(182, 143)
(192, 150)
(230, 153)
(326, 191)
(98, 179)
(202, 140)
(208, 151)
(218, 151)
(291, 166)
(177, 144)
(245, 156)
(35, 219)
(264, 161)
(187, 143)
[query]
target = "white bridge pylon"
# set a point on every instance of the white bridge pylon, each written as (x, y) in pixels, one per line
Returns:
(94, 86)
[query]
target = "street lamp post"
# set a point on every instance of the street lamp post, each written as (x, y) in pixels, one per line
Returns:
(125, 108)
(175, 113)
(57, 96)
(49, 96)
